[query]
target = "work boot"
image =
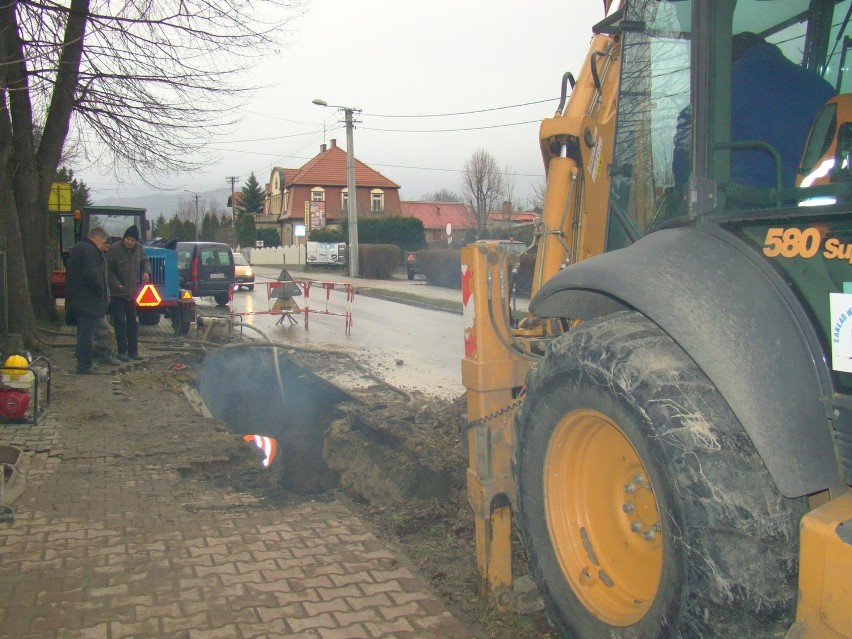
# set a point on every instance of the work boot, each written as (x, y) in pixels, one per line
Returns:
(109, 360)
(135, 356)
(123, 357)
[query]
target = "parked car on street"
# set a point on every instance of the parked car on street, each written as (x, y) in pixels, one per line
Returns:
(244, 275)
(206, 269)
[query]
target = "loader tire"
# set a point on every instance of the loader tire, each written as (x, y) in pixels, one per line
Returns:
(645, 510)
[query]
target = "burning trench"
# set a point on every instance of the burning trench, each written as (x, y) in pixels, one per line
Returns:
(277, 405)
(380, 446)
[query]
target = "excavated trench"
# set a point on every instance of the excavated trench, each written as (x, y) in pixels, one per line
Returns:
(261, 391)
(377, 443)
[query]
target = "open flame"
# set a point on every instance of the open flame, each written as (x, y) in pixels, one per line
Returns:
(269, 446)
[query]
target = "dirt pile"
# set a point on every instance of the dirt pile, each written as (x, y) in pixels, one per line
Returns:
(391, 453)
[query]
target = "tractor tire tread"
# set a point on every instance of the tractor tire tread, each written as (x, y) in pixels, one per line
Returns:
(740, 537)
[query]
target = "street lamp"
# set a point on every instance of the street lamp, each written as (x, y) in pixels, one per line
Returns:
(196, 212)
(352, 213)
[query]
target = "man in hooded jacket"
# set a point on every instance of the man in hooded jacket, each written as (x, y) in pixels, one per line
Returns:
(124, 260)
(86, 292)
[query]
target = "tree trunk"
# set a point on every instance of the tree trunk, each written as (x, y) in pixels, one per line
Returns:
(48, 155)
(29, 171)
(20, 313)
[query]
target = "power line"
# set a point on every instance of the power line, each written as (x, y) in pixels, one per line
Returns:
(471, 128)
(444, 115)
(430, 168)
(425, 115)
(277, 137)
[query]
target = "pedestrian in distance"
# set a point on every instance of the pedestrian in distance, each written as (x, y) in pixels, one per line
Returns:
(86, 292)
(125, 259)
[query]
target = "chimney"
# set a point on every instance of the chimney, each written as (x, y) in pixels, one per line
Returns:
(507, 209)
(322, 147)
(333, 143)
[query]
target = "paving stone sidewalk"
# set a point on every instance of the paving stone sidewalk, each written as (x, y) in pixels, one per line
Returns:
(113, 539)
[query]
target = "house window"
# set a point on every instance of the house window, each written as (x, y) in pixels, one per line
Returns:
(344, 199)
(317, 194)
(377, 201)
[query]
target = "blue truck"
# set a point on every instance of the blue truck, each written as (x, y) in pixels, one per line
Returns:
(162, 296)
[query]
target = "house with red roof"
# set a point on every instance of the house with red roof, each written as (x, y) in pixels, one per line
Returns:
(315, 195)
(435, 217)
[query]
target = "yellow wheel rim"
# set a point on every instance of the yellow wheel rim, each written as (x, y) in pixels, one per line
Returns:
(603, 518)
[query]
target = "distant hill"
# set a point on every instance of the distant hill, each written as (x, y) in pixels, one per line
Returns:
(166, 203)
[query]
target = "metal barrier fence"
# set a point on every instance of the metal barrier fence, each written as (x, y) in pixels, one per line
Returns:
(288, 309)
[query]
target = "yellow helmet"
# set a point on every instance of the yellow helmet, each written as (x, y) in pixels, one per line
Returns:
(15, 360)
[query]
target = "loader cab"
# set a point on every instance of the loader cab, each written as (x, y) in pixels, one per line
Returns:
(115, 220)
(706, 136)
(701, 127)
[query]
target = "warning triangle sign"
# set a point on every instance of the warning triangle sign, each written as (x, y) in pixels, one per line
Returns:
(148, 296)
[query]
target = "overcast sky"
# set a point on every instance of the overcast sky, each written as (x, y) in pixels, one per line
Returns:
(391, 58)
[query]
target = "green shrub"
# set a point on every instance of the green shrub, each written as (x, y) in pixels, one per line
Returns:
(328, 235)
(442, 267)
(268, 236)
(378, 261)
(405, 232)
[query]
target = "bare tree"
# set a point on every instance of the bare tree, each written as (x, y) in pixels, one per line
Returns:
(215, 207)
(442, 195)
(192, 210)
(138, 87)
(536, 201)
(510, 185)
(482, 186)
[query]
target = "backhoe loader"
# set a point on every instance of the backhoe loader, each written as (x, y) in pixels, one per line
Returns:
(670, 426)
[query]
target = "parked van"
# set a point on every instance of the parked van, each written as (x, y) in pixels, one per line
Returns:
(206, 269)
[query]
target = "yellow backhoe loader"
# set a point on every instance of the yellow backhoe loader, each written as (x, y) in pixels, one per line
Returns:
(670, 426)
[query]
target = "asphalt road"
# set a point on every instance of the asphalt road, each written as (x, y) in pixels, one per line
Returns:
(410, 347)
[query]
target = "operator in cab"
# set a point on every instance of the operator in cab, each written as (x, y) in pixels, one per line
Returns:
(773, 100)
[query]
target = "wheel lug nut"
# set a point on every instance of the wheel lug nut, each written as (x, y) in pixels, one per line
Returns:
(639, 479)
(650, 535)
(630, 488)
(635, 526)
(628, 507)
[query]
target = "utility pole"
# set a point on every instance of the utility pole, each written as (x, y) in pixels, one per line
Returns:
(350, 187)
(196, 196)
(196, 216)
(350, 184)
(232, 179)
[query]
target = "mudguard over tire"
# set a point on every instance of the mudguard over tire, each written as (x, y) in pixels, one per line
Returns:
(645, 509)
(222, 299)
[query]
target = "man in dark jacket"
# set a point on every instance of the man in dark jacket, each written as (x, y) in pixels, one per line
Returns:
(124, 260)
(86, 292)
